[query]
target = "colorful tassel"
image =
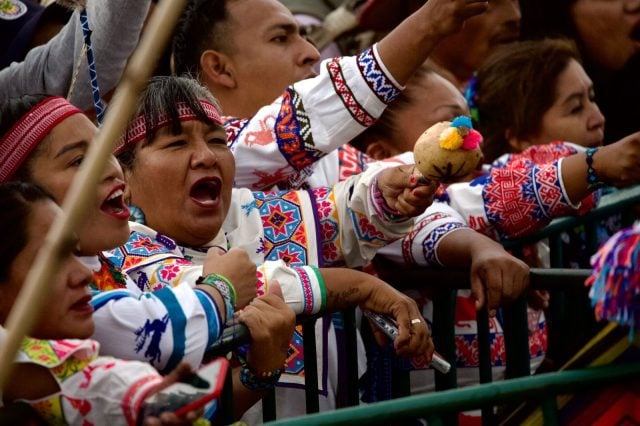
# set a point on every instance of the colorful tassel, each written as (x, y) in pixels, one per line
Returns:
(615, 279)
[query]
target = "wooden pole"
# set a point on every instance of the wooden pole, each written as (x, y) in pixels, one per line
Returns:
(82, 192)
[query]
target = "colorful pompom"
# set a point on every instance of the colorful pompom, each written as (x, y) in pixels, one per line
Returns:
(615, 279)
(462, 121)
(472, 140)
(450, 139)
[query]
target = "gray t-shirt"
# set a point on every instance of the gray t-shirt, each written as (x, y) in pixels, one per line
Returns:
(48, 69)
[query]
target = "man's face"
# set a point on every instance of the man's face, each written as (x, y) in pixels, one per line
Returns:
(609, 30)
(268, 53)
(463, 52)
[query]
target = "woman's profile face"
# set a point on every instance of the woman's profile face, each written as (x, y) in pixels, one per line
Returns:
(608, 29)
(68, 314)
(183, 182)
(55, 166)
(574, 115)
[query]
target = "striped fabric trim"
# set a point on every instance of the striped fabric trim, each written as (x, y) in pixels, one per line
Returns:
(343, 90)
(375, 74)
(214, 318)
(100, 298)
(178, 327)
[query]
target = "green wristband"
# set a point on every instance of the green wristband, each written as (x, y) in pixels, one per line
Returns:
(226, 289)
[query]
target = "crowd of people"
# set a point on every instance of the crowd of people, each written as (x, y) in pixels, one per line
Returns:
(260, 177)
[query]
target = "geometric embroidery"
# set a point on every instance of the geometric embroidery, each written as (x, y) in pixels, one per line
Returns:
(329, 224)
(293, 132)
(350, 162)
(375, 77)
(138, 248)
(429, 244)
(341, 88)
(407, 242)
(233, 126)
(510, 201)
(284, 229)
(522, 194)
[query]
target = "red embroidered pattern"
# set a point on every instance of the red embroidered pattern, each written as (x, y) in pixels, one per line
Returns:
(350, 162)
(343, 90)
(137, 128)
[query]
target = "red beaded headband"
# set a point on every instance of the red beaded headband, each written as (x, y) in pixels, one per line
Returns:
(137, 129)
(29, 131)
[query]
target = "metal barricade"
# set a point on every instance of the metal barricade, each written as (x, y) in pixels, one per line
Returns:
(440, 406)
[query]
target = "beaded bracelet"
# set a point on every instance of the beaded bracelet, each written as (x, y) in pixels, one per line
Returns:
(226, 289)
(593, 181)
(264, 380)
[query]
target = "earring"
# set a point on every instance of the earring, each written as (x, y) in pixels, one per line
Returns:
(136, 214)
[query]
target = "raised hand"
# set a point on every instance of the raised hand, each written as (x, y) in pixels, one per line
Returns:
(447, 16)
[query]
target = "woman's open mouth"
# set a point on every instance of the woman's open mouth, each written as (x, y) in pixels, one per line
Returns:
(114, 204)
(206, 192)
(83, 305)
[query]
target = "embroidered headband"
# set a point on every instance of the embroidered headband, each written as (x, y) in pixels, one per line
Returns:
(29, 131)
(137, 129)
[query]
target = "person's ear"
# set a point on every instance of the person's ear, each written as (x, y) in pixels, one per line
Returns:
(217, 68)
(516, 144)
(378, 150)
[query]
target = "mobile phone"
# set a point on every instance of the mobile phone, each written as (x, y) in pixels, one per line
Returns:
(191, 393)
(389, 328)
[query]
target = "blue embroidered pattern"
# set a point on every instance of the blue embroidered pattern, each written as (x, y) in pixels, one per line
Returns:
(429, 244)
(376, 78)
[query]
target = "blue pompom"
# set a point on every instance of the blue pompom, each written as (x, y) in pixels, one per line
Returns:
(462, 121)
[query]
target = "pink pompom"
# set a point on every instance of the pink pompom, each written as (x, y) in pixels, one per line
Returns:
(472, 140)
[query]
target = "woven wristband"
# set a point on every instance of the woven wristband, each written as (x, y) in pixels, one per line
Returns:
(593, 181)
(265, 380)
(226, 289)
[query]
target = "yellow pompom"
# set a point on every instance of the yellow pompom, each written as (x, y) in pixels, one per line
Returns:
(450, 139)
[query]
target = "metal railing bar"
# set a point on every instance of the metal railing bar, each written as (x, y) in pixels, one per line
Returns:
(610, 204)
(472, 397)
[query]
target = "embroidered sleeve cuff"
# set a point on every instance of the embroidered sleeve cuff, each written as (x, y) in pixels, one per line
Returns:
(303, 288)
(420, 247)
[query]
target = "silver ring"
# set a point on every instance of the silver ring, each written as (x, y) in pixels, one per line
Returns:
(415, 321)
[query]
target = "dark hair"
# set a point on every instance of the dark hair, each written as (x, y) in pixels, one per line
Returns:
(16, 205)
(204, 25)
(515, 87)
(161, 98)
(11, 111)
(385, 127)
(547, 18)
